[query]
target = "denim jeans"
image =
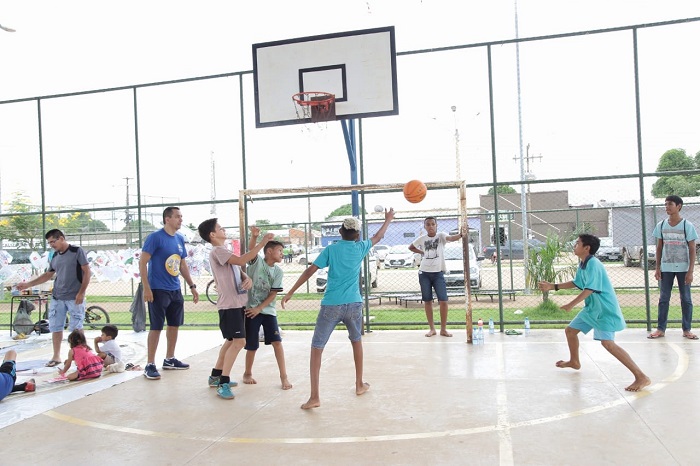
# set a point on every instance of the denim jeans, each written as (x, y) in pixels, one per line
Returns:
(331, 315)
(665, 296)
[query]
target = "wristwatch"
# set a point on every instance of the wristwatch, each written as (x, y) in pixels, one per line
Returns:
(193, 286)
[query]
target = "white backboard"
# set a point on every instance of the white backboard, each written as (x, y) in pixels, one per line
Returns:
(359, 67)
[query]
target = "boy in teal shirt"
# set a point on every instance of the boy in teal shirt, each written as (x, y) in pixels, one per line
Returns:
(342, 301)
(601, 311)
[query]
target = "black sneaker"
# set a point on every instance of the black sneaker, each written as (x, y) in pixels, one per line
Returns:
(150, 372)
(173, 363)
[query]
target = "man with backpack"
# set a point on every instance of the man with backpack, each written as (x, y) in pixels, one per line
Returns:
(71, 273)
(675, 259)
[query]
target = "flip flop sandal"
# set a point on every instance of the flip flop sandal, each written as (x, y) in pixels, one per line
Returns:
(654, 335)
(53, 363)
(513, 332)
(690, 336)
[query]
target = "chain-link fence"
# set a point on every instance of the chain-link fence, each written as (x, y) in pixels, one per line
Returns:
(153, 153)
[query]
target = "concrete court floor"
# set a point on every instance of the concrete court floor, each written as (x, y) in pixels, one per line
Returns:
(432, 401)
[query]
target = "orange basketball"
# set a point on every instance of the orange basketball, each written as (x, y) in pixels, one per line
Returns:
(414, 191)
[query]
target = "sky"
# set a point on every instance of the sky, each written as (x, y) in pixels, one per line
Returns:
(577, 99)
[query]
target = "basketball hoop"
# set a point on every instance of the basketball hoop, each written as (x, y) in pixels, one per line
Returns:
(314, 106)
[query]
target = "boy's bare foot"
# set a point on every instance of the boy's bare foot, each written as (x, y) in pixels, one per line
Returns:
(247, 378)
(430, 333)
(363, 389)
(312, 403)
(445, 333)
(639, 383)
(285, 384)
(573, 365)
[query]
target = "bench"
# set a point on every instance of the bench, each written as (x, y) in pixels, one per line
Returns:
(491, 294)
(419, 298)
(395, 295)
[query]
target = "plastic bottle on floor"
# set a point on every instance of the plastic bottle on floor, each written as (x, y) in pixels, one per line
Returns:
(527, 325)
(492, 329)
(480, 329)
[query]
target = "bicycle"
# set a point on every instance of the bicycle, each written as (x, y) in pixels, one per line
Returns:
(95, 317)
(212, 293)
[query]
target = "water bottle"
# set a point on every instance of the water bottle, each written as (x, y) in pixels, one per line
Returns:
(475, 336)
(492, 329)
(480, 327)
(527, 325)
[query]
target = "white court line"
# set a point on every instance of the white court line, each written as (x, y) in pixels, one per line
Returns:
(503, 427)
(505, 444)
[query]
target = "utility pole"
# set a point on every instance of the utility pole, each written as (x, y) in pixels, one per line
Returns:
(528, 175)
(127, 215)
(213, 183)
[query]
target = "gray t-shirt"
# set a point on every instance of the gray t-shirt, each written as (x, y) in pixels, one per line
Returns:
(67, 268)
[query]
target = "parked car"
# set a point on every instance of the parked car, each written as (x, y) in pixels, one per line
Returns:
(322, 274)
(517, 249)
(399, 256)
(381, 250)
(638, 254)
(608, 252)
(311, 256)
(454, 262)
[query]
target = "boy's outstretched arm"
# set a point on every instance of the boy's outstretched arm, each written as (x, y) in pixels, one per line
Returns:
(308, 273)
(253, 248)
(388, 217)
(547, 286)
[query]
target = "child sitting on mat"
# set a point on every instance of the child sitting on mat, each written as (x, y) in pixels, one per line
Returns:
(89, 364)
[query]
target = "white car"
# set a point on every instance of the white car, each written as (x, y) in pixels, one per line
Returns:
(382, 250)
(399, 256)
(322, 274)
(454, 262)
(311, 256)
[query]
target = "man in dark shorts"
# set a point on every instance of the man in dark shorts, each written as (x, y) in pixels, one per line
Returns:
(161, 264)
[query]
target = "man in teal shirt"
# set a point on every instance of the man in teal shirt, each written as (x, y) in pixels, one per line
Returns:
(342, 301)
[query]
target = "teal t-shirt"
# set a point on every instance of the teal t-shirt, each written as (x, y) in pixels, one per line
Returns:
(343, 260)
(601, 309)
(265, 279)
(675, 256)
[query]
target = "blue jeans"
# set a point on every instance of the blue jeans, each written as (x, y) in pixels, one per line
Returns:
(331, 315)
(430, 280)
(665, 296)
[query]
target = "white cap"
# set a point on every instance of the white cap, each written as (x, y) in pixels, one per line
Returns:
(351, 223)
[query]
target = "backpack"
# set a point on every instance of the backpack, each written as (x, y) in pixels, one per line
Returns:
(22, 323)
(42, 326)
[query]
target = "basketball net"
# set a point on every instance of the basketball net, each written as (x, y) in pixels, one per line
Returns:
(315, 109)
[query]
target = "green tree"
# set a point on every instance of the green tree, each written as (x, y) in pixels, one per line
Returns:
(24, 230)
(79, 222)
(505, 189)
(680, 185)
(342, 211)
(134, 226)
(551, 263)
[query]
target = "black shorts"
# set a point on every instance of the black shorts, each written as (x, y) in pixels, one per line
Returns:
(252, 328)
(166, 306)
(231, 323)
